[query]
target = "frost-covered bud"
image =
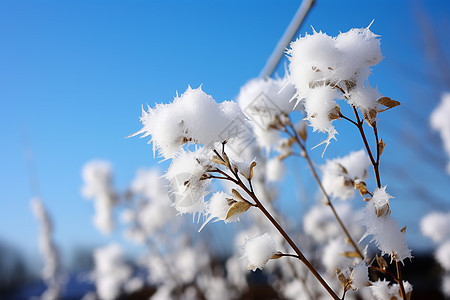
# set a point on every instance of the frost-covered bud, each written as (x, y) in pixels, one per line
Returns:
(441, 122)
(360, 50)
(193, 117)
(339, 174)
(443, 255)
(224, 207)
(384, 230)
(259, 250)
(365, 98)
(313, 58)
(186, 183)
(360, 276)
(436, 226)
(97, 176)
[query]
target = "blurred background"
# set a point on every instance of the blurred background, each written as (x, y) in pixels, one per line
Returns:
(75, 74)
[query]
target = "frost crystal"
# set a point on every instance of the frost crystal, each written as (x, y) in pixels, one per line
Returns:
(360, 275)
(218, 208)
(97, 176)
(441, 122)
(384, 230)
(339, 174)
(193, 117)
(258, 251)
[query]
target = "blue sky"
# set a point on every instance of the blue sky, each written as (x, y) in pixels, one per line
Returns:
(74, 74)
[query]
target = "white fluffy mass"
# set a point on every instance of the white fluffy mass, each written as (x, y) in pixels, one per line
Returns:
(333, 257)
(111, 272)
(443, 255)
(322, 226)
(184, 175)
(258, 251)
(339, 174)
(441, 122)
(319, 62)
(97, 177)
(218, 207)
(262, 99)
(275, 169)
(436, 226)
(381, 290)
(192, 117)
(360, 275)
(384, 230)
(48, 250)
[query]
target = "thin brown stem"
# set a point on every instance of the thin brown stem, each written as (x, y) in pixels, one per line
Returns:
(280, 229)
(319, 182)
(400, 279)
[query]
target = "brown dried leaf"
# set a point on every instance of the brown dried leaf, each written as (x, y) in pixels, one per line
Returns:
(345, 282)
(237, 195)
(277, 255)
(237, 208)
(381, 262)
(252, 165)
(350, 254)
(303, 132)
(335, 113)
(388, 102)
(403, 230)
(361, 186)
(217, 160)
(381, 146)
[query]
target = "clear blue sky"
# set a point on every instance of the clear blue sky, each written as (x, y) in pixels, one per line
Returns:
(74, 74)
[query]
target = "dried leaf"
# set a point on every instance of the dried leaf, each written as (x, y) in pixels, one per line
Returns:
(371, 117)
(381, 145)
(238, 208)
(335, 113)
(237, 195)
(350, 254)
(285, 155)
(361, 186)
(403, 230)
(345, 282)
(343, 169)
(381, 262)
(252, 165)
(217, 160)
(303, 132)
(277, 255)
(388, 102)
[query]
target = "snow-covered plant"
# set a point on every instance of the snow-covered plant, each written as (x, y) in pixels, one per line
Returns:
(111, 272)
(206, 140)
(97, 176)
(436, 226)
(440, 122)
(51, 271)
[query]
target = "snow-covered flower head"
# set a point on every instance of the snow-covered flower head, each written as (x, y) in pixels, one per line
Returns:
(188, 187)
(264, 99)
(97, 176)
(385, 231)
(339, 174)
(436, 226)
(192, 117)
(259, 250)
(441, 122)
(319, 63)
